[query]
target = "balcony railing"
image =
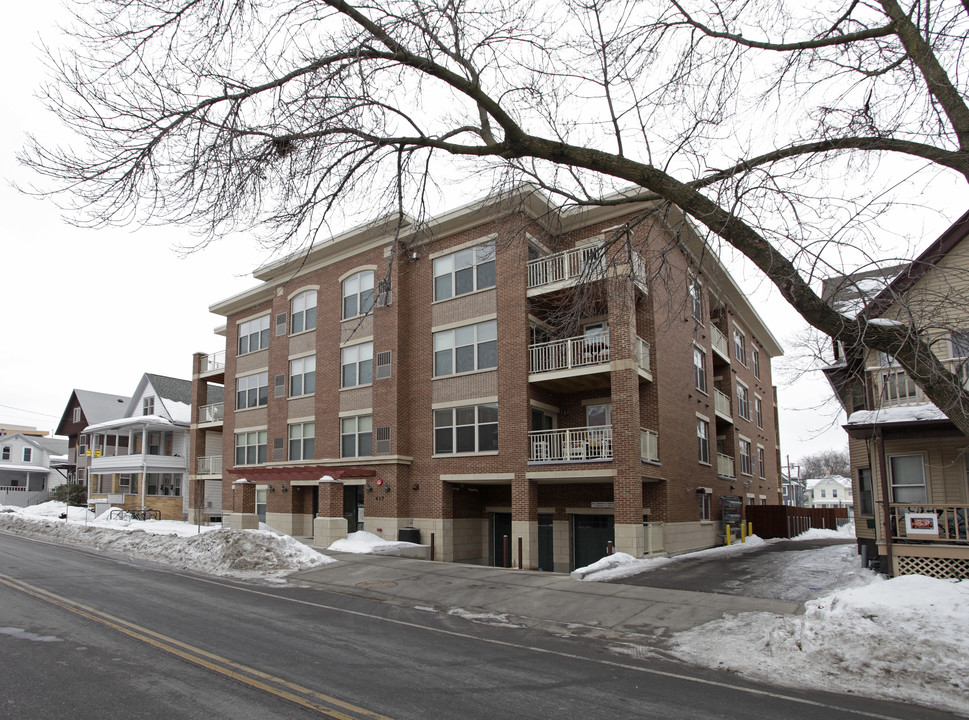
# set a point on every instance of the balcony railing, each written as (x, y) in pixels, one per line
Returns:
(648, 445)
(213, 362)
(583, 443)
(585, 263)
(642, 354)
(894, 388)
(725, 465)
(719, 342)
(211, 413)
(210, 465)
(571, 352)
(934, 523)
(721, 403)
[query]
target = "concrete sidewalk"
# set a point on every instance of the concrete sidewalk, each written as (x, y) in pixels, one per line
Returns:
(528, 598)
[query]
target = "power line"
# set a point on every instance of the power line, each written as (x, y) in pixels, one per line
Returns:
(32, 412)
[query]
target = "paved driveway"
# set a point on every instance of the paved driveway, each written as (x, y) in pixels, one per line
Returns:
(785, 570)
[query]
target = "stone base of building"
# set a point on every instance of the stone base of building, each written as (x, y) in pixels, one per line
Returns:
(242, 521)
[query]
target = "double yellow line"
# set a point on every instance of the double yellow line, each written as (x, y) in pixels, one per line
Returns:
(281, 688)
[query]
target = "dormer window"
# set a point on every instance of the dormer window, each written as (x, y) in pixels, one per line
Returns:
(148, 406)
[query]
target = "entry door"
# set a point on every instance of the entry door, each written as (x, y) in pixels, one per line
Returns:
(501, 526)
(546, 557)
(590, 536)
(353, 507)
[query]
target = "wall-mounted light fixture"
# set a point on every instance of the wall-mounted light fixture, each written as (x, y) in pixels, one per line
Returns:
(284, 488)
(271, 488)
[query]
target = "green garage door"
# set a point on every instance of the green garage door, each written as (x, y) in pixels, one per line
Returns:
(590, 536)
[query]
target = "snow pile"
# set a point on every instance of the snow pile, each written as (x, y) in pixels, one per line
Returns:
(843, 532)
(905, 638)
(229, 553)
(368, 543)
(906, 413)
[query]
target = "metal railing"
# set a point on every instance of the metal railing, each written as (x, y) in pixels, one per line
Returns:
(213, 412)
(579, 351)
(649, 445)
(214, 361)
(642, 353)
(210, 465)
(725, 465)
(584, 262)
(583, 443)
(932, 523)
(719, 341)
(721, 402)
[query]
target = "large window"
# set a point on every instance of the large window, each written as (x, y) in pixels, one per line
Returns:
(759, 411)
(356, 365)
(251, 447)
(28, 454)
(302, 376)
(163, 484)
(465, 349)
(464, 271)
(77, 414)
(254, 335)
(358, 294)
(704, 505)
(356, 436)
(466, 429)
(696, 298)
(6, 453)
(755, 354)
(740, 346)
(761, 462)
(743, 401)
(252, 391)
(303, 312)
(700, 369)
(907, 479)
(745, 459)
(960, 344)
(148, 406)
(301, 436)
(866, 498)
(702, 440)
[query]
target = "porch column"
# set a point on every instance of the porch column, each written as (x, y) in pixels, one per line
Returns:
(243, 515)
(329, 524)
(524, 522)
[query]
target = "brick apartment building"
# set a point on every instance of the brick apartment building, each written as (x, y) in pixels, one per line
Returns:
(519, 376)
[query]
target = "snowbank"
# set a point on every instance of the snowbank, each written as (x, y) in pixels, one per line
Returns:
(368, 543)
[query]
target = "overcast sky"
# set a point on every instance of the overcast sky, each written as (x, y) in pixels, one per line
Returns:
(95, 309)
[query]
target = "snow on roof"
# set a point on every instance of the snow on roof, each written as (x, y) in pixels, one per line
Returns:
(23, 468)
(905, 413)
(99, 407)
(840, 479)
(180, 412)
(136, 420)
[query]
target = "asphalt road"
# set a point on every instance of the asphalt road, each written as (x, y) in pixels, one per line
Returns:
(84, 635)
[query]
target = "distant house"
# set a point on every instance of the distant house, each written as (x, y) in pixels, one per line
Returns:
(793, 490)
(84, 408)
(831, 491)
(26, 475)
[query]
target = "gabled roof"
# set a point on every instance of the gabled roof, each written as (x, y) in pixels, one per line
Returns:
(97, 407)
(174, 394)
(837, 479)
(51, 445)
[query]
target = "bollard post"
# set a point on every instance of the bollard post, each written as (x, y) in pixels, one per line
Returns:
(609, 548)
(743, 532)
(728, 535)
(520, 567)
(750, 529)
(506, 560)
(432, 547)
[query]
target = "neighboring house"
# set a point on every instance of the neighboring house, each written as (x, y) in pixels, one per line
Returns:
(793, 491)
(909, 463)
(458, 403)
(84, 408)
(28, 430)
(140, 460)
(26, 475)
(831, 491)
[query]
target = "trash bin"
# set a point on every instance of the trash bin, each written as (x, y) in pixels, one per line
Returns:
(409, 534)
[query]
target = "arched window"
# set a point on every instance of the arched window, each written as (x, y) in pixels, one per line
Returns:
(303, 315)
(358, 294)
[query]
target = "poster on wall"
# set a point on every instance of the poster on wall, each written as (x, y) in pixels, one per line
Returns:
(921, 524)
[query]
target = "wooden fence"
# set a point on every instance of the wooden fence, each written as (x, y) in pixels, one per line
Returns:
(784, 521)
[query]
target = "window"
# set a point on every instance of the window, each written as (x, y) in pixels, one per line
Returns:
(759, 411)
(700, 369)
(834, 492)
(743, 401)
(702, 440)
(301, 436)
(252, 391)
(303, 315)
(907, 479)
(254, 335)
(160, 443)
(466, 349)
(302, 376)
(704, 505)
(824, 493)
(745, 458)
(163, 484)
(251, 447)
(356, 436)
(124, 483)
(77, 414)
(897, 386)
(464, 271)
(755, 354)
(28, 454)
(358, 294)
(281, 320)
(866, 498)
(740, 346)
(696, 298)
(148, 406)
(6, 452)
(960, 344)
(384, 361)
(466, 429)
(761, 462)
(383, 439)
(357, 365)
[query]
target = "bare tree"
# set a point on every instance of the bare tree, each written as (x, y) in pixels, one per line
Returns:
(825, 462)
(773, 125)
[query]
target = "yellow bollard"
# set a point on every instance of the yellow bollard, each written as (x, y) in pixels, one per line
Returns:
(743, 532)
(728, 534)
(750, 529)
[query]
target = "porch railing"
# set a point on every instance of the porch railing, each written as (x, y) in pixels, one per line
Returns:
(721, 402)
(719, 341)
(933, 523)
(649, 445)
(213, 412)
(584, 262)
(582, 443)
(214, 361)
(725, 465)
(210, 465)
(571, 352)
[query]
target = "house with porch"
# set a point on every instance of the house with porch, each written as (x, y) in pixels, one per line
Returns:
(28, 469)
(85, 407)
(830, 491)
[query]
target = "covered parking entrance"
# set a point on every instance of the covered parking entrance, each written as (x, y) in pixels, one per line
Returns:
(591, 535)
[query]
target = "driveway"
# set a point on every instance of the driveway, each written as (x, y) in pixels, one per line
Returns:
(789, 570)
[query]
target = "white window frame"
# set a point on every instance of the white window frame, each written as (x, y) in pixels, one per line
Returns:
(255, 332)
(302, 376)
(695, 292)
(253, 442)
(743, 400)
(160, 481)
(755, 359)
(475, 259)
(360, 358)
(759, 410)
(28, 454)
(359, 288)
(302, 315)
(5, 452)
(761, 462)
(740, 346)
(477, 336)
(148, 405)
(703, 440)
(959, 344)
(700, 369)
(302, 439)
(246, 385)
(77, 415)
(458, 420)
(358, 430)
(893, 485)
(746, 456)
(705, 512)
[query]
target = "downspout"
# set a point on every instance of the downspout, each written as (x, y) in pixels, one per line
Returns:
(886, 509)
(144, 464)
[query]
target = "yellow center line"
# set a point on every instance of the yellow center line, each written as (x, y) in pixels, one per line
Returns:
(258, 679)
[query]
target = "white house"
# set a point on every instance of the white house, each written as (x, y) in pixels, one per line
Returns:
(831, 491)
(26, 475)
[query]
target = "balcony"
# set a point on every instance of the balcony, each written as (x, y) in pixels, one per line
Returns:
(648, 445)
(721, 405)
(211, 414)
(571, 444)
(718, 341)
(214, 363)
(725, 466)
(210, 466)
(581, 359)
(563, 269)
(137, 463)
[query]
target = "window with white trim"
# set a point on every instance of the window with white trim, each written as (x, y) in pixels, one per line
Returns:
(5, 454)
(959, 342)
(759, 411)
(695, 290)
(740, 346)
(907, 476)
(251, 447)
(466, 349)
(866, 497)
(165, 484)
(302, 376)
(743, 401)
(77, 414)
(704, 504)
(301, 438)
(755, 355)
(745, 459)
(702, 440)
(699, 369)
(761, 462)
(254, 335)
(252, 391)
(824, 493)
(465, 271)
(356, 365)
(302, 314)
(358, 294)
(466, 429)
(356, 436)
(148, 406)
(28, 454)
